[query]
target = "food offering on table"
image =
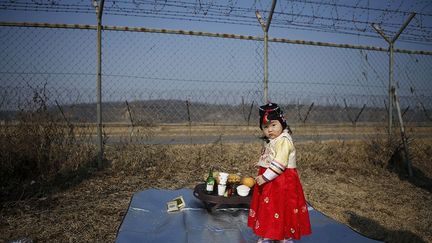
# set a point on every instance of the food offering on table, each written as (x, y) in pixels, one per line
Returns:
(210, 182)
(215, 176)
(227, 184)
(234, 178)
(248, 181)
(243, 190)
(246, 184)
(223, 179)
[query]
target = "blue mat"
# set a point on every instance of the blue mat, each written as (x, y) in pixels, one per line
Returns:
(148, 221)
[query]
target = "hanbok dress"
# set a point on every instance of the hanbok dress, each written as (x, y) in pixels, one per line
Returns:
(278, 207)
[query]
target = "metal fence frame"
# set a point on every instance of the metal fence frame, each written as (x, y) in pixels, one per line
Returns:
(99, 28)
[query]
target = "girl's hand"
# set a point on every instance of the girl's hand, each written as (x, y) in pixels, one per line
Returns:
(259, 180)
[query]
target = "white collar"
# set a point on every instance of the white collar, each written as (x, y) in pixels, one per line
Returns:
(284, 133)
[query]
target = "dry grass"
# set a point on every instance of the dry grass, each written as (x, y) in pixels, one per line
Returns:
(347, 181)
(50, 191)
(342, 181)
(179, 129)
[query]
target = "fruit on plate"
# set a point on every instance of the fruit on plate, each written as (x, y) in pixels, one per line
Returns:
(234, 178)
(248, 181)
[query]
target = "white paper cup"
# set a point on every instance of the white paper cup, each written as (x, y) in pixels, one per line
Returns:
(223, 177)
(221, 189)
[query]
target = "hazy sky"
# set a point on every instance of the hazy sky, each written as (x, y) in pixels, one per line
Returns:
(141, 66)
(294, 19)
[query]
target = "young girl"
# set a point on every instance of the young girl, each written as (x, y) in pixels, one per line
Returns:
(278, 210)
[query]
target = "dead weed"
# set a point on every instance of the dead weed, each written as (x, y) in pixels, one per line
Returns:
(340, 179)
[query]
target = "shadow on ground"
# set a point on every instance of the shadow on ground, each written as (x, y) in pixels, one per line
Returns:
(34, 188)
(419, 179)
(398, 164)
(374, 230)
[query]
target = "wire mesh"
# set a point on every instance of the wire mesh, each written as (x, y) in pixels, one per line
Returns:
(333, 84)
(58, 62)
(154, 78)
(164, 76)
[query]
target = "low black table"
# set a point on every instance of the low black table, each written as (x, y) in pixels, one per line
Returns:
(214, 201)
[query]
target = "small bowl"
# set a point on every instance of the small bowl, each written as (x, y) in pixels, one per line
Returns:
(243, 190)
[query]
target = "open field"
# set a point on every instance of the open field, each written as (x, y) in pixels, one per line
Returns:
(346, 180)
(207, 133)
(203, 134)
(236, 129)
(202, 129)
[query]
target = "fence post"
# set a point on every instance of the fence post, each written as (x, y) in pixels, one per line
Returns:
(265, 27)
(392, 91)
(99, 9)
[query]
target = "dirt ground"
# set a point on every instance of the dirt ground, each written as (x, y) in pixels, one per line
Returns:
(347, 181)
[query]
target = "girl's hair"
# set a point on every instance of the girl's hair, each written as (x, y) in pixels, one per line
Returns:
(272, 111)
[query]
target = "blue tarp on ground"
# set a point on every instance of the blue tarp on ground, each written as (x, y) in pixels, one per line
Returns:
(147, 220)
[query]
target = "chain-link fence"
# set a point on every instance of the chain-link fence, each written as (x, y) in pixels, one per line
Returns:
(337, 85)
(178, 77)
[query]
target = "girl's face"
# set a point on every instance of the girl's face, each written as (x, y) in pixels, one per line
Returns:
(272, 129)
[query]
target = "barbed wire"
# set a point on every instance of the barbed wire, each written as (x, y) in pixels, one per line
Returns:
(330, 16)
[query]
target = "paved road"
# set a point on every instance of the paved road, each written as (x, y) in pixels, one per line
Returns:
(245, 139)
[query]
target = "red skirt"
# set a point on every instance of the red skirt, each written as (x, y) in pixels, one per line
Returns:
(278, 208)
